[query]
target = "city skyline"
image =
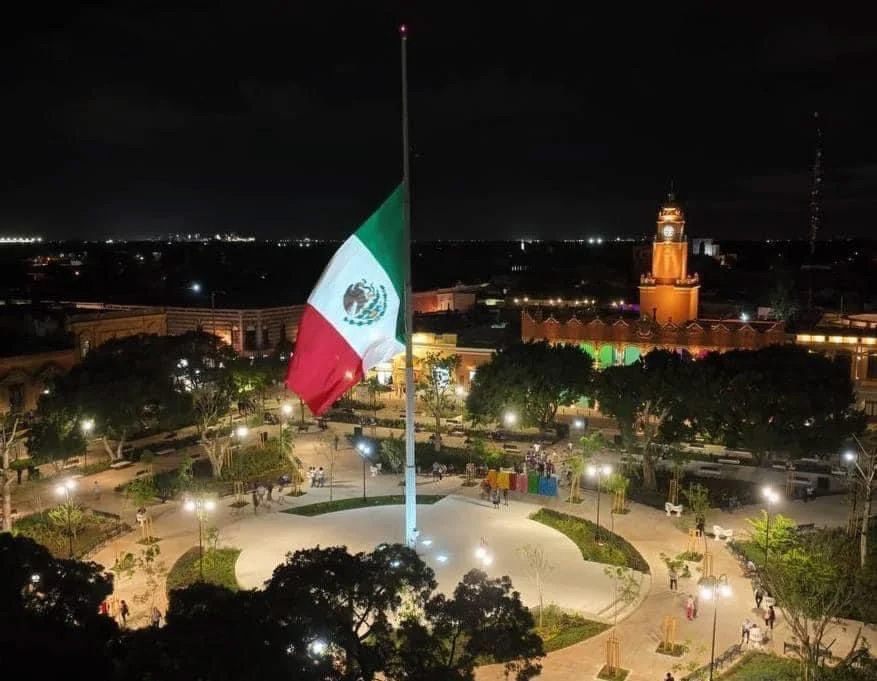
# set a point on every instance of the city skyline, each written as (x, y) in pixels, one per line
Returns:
(281, 123)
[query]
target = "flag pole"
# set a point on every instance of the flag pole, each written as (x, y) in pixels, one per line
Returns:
(410, 470)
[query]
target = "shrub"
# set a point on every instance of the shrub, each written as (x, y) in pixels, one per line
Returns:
(250, 462)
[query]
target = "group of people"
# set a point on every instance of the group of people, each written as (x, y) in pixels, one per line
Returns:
(438, 470)
(316, 476)
(542, 461)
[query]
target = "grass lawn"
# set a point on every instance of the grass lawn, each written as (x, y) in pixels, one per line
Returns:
(561, 629)
(218, 569)
(359, 502)
(94, 530)
(613, 549)
(758, 666)
(617, 674)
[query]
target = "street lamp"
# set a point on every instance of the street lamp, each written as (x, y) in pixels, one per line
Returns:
(510, 419)
(87, 426)
(578, 424)
(200, 507)
(241, 432)
(718, 589)
(66, 490)
(483, 555)
(599, 472)
(771, 497)
(286, 409)
(365, 450)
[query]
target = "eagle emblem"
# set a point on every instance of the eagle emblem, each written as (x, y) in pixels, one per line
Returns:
(364, 303)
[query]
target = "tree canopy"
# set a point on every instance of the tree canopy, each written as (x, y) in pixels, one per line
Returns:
(325, 614)
(533, 380)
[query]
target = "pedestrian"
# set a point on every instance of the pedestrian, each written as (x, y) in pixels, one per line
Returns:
(320, 475)
(104, 607)
(694, 609)
(124, 612)
(95, 491)
(495, 498)
(505, 497)
(759, 596)
(674, 579)
(770, 617)
(270, 490)
(255, 502)
(701, 524)
(744, 634)
(155, 616)
(669, 677)
(311, 475)
(689, 607)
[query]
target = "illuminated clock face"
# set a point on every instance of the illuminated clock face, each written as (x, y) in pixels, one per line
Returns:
(668, 231)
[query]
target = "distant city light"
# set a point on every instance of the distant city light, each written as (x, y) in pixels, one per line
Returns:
(20, 239)
(196, 287)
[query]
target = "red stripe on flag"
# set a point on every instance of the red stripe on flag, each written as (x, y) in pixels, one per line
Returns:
(324, 366)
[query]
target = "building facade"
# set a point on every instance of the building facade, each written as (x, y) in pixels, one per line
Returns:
(250, 331)
(23, 378)
(92, 329)
(852, 338)
(454, 299)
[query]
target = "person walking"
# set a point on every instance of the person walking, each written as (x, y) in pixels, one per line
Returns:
(95, 491)
(255, 502)
(696, 603)
(124, 612)
(759, 596)
(495, 498)
(669, 677)
(770, 617)
(744, 634)
(155, 617)
(674, 580)
(689, 607)
(505, 497)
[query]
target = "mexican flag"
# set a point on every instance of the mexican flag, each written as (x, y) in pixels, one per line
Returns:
(354, 318)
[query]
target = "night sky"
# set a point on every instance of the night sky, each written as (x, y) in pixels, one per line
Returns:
(267, 119)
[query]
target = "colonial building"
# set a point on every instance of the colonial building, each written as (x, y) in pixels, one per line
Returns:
(91, 329)
(250, 331)
(23, 378)
(458, 298)
(852, 338)
(668, 311)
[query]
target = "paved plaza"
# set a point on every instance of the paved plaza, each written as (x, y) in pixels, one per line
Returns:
(450, 532)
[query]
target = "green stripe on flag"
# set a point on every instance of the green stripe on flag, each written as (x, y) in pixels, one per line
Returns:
(384, 235)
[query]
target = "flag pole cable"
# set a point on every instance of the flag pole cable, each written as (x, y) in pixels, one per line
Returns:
(410, 470)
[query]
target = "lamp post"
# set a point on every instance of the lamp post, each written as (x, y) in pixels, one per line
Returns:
(599, 472)
(87, 426)
(200, 507)
(510, 418)
(771, 497)
(196, 287)
(718, 589)
(365, 451)
(66, 489)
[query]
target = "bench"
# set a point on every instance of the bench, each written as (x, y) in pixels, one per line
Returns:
(731, 461)
(72, 463)
(805, 527)
(795, 647)
(671, 509)
(120, 464)
(779, 467)
(708, 471)
(162, 452)
(721, 533)
(142, 471)
(375, 470)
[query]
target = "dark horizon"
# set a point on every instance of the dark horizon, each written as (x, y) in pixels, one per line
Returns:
(281, 123)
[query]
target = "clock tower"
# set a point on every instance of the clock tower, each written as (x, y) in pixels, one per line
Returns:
(668, 293)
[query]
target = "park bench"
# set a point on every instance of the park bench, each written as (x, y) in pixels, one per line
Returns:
(711, 471)
(124, 463)
(723, 533)
(71, 463)
(794, 647)
(730, 461)
(376, 469)
(671, 509)
(805, 527)
(162, 452)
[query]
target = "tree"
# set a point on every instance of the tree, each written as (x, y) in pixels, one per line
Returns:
(535, 379)
(211, 404)
(47, 599)
(537, 568)
(8, 433)
(865, 464)
(393, 450)
(641, 396)
(782, 535)
(56, 436)
(330, 452)
(698, 498)
(436, 388)
(627, 586)
(484, 619)
(350, 600)
(808, 581)
(783, 301)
